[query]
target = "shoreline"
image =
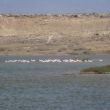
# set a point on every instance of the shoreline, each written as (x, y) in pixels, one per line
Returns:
(55, 54)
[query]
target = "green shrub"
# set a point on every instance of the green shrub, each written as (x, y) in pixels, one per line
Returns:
(2, 49)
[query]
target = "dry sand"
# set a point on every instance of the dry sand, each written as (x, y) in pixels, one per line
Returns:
(54, 34)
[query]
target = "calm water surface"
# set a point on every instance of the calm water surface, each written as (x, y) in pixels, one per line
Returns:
(38, 86)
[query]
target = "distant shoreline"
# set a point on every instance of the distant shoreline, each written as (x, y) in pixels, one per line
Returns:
(56, 15)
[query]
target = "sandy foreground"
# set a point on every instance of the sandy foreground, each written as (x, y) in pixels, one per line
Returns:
(54, 34)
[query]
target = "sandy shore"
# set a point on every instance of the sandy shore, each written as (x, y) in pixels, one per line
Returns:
(54, 34)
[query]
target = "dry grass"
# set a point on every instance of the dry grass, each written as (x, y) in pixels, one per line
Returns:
(44, 34)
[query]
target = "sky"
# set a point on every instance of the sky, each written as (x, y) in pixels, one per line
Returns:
(54, 6)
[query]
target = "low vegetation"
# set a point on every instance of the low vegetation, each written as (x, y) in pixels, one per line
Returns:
(2, 49)
(97, 70)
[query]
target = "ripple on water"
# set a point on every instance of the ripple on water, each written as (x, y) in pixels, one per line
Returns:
(50, 87)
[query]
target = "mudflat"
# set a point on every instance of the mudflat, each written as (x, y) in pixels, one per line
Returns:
(42, 34)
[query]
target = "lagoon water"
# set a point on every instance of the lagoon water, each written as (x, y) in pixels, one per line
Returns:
(53, 86)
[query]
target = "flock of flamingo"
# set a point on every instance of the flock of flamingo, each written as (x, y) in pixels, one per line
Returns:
(52, 61)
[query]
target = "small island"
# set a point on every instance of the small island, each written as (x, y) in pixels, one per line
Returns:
(97, 70)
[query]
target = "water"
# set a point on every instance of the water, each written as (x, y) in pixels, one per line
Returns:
(53, 86)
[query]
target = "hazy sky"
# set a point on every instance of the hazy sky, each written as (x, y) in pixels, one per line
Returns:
(54, 6)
